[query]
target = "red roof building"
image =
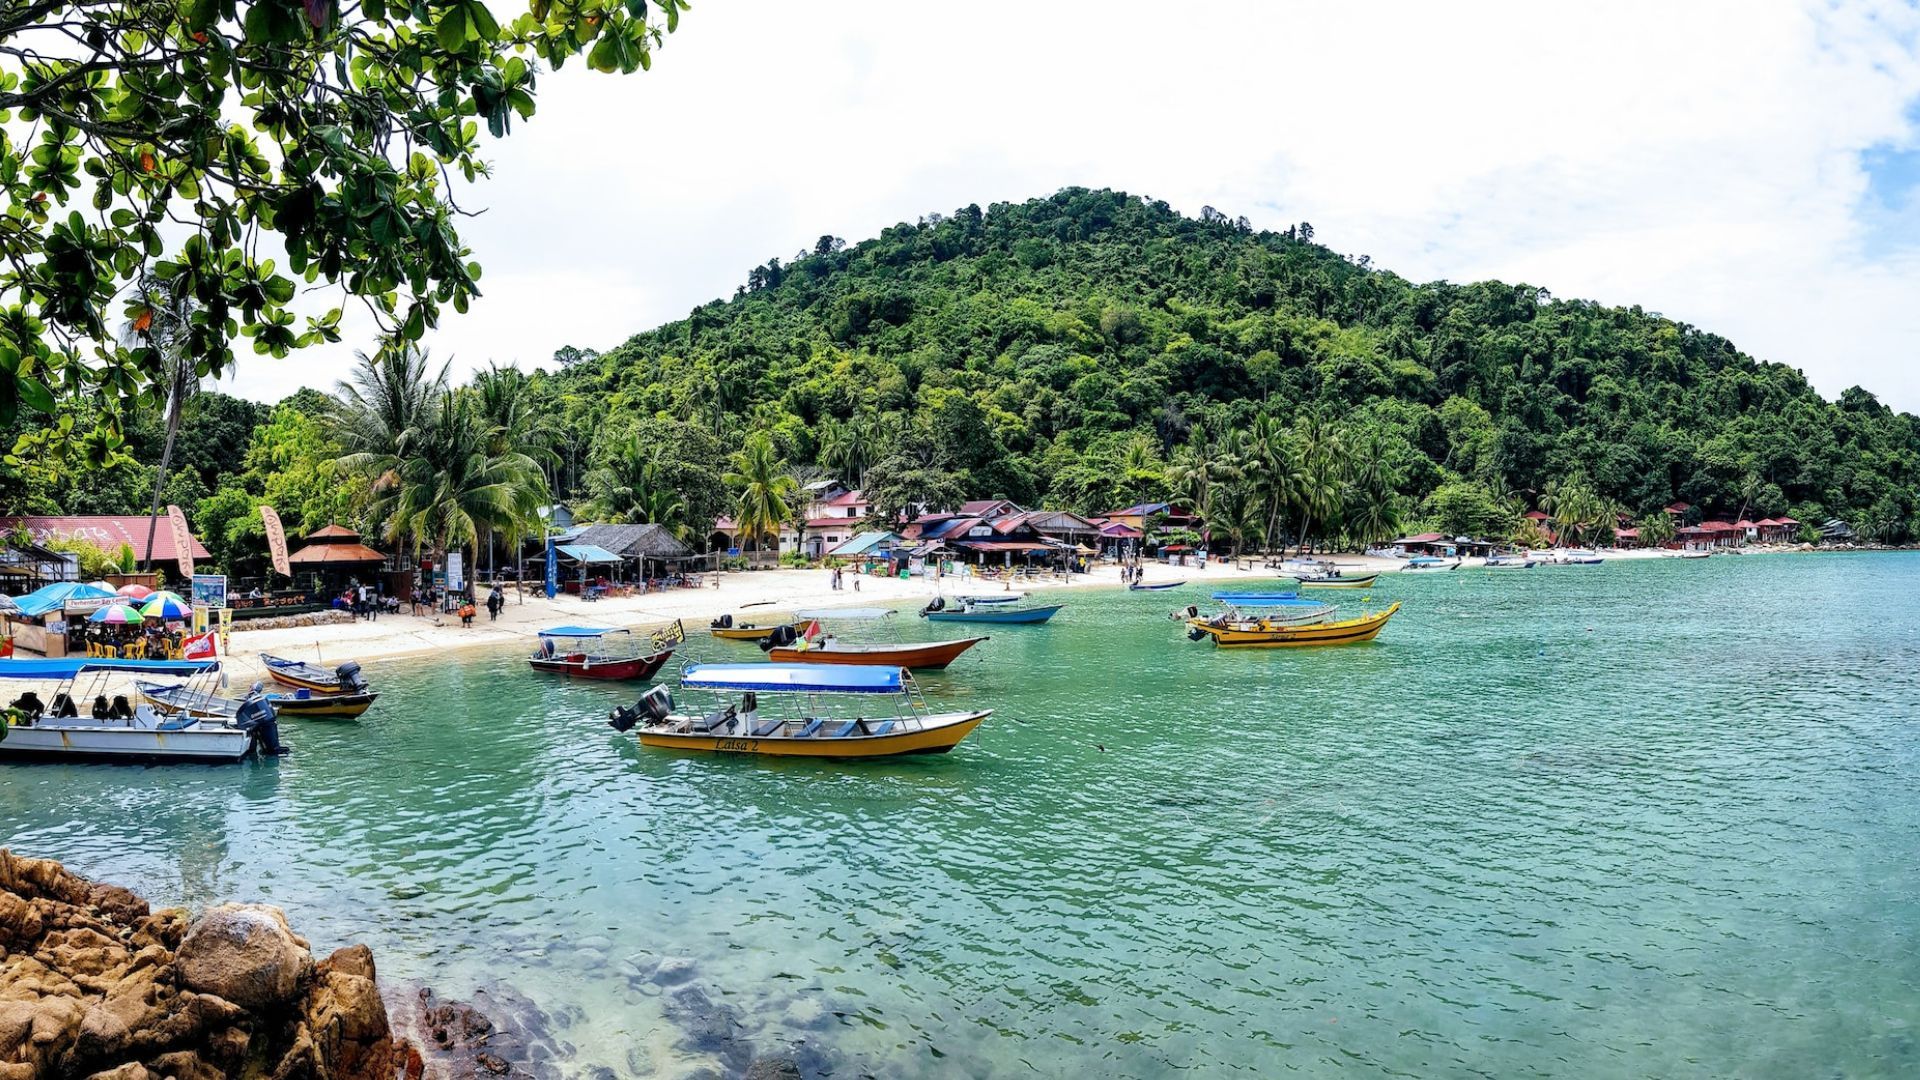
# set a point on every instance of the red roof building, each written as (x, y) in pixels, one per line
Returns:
(107, 533)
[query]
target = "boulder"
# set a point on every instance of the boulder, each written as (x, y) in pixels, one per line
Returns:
(246, 954)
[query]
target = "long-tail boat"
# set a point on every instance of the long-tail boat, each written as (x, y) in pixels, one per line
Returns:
(787, 710)
(300, 675)
(598, 652)
(831, 650)
(938, 611)
(1230, 632)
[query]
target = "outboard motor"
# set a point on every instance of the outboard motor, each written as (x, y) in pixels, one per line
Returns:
(652, 708)
(1196, 634)
(350, 678)
(724, 622)
(1193, 611)
(938, 603)
(255, 716)
(781, 637)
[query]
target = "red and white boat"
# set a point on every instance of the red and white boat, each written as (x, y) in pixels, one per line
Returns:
(600, 652)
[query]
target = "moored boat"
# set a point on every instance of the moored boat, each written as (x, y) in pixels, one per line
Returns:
(598, 652)
(1426, 564)
(344, 678)
(1510, 560)
(1158, 586)
(120, 731)
(790, 648)
(992, 598)
(726, 629)
(1263, 633)
(1322, 574)
(189, 700)
(937, 611)
(1581, 557)
(785, 710)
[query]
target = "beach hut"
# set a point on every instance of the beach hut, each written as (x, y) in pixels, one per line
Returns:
(333, 557)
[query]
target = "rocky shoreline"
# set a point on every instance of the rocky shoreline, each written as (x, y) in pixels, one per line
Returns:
(94, 985)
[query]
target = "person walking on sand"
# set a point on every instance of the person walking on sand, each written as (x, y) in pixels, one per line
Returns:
(495, 601)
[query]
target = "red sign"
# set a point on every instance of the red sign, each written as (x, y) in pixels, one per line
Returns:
(276, 540)
(182, 541)
(200, 647)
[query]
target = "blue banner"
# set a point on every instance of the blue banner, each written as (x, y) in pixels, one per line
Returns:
(553, 570)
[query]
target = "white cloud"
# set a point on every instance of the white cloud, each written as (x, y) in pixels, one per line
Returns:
(1701, 160)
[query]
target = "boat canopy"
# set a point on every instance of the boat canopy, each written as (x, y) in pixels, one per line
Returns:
(583, 631)
(794, 678)
(68, 668)
(587, 553)
(844, 613)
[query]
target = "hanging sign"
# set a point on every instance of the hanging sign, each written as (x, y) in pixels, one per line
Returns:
(276, 540)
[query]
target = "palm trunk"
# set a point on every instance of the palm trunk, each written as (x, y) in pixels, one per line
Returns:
(159, 481)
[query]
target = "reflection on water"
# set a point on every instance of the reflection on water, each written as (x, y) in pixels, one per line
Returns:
(1639, 819)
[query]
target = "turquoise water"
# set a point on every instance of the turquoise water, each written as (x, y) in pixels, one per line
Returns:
(1643, 819)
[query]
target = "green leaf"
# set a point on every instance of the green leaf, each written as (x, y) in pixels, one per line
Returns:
(35, 395)
(452, 29)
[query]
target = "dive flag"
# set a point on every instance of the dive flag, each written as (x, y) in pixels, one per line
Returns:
(198, 647)
(813, 630)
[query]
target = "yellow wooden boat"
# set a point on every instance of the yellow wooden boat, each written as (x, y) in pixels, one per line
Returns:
(1229, 632)
(726, 629)
(744, 724)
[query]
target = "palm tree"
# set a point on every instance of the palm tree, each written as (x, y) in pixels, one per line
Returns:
(801, 476)
(449, 485)
(1373, 505)
(632, 486)
(1318, 494)
(377, 416)
(1572, 506)
(164, 324)
(762, 485)
(1276, 471)
(515, 425)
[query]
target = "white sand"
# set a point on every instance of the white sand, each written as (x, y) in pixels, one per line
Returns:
(772, 591)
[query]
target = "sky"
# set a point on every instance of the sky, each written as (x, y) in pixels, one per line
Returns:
(1749, 168)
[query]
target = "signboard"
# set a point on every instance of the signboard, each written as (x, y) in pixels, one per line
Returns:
(456, 579)
(210, 589)
(200, 619)
(182, 542)
(276, 540)
(553, 570)
(980, 530)
(226, 627)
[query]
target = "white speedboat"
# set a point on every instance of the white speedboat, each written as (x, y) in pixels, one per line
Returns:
(1511, 560)
(111, 729)
(1424, 564)
(1580, 557)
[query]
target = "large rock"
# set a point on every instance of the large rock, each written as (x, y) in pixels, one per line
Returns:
(246, 954)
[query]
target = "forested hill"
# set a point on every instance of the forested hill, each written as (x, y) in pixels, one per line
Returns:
(1090, 347)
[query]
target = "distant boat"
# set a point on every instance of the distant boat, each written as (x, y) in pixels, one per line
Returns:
(1581, 557)
(777, 710)
(1266, 599)
(726, 629)
(992, 598)
(939, 612)
(1231, 633)
(1424, 564)
(1511, 561)
(1158, 586)
(1696, 555)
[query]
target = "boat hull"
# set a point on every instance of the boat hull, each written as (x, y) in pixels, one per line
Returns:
(327, 706)
(583, 667)
(935, 654)
(121, 744)
(743, 633)
(1357, 582)
(1155, 588)
(1344, 632)
(1029, 615)
(935, 740)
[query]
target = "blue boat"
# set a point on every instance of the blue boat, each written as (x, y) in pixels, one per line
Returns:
(997, 615)
(1138, 586)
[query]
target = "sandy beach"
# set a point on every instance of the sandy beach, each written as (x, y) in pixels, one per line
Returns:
(770, 591)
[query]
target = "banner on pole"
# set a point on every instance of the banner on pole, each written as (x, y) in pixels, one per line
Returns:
(276, 540)
(553, 570)
(182, 542)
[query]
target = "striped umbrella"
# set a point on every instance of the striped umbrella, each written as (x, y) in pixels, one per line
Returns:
(165, 605)
(134, 591)
(115, 615)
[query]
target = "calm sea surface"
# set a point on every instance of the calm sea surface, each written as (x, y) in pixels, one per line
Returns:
(1646, 819)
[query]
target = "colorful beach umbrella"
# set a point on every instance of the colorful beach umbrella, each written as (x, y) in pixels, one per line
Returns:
(165, 605)
(133, 590)
(115, 615)
(101, 585)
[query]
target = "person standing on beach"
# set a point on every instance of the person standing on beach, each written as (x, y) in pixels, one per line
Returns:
(495, 601)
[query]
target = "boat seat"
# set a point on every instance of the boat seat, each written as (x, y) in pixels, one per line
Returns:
(761, 731)
(177, 722)
(882, 728)
(844, 730)
(813, 726)
(718, 720)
